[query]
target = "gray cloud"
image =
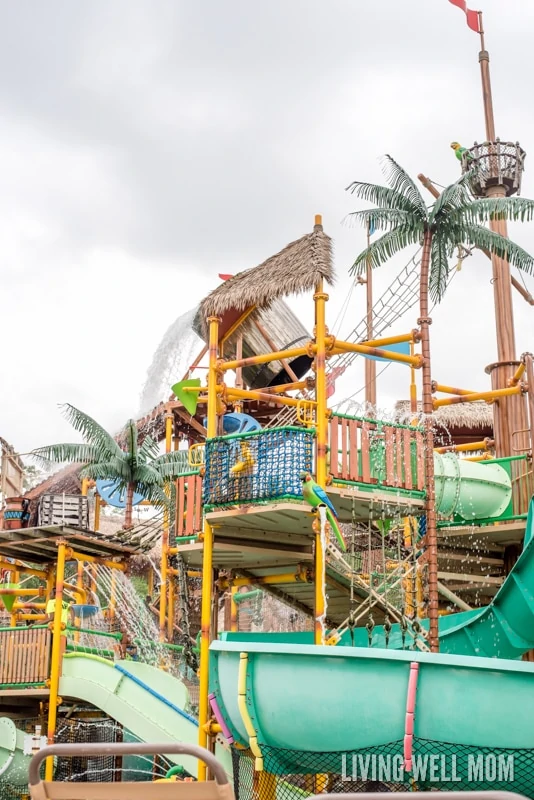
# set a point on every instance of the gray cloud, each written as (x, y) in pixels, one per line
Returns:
(145, 147)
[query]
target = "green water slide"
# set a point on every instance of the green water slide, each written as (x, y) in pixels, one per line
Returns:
(504, 629)
(311, 704)
(147, 701)
(13, 762)
(472, 490)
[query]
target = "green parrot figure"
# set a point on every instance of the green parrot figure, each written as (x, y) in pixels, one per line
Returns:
(315, 495)
(459, 150)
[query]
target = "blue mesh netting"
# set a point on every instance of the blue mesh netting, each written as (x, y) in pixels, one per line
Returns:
(263, 465)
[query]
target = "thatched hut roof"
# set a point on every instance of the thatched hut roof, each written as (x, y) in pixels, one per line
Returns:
(460, 423)
(295, 269)
(64, 481)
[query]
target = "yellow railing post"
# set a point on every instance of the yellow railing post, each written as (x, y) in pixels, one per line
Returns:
(165, 541)
(98, 504)
(207, 560)
(233, 609)
(320, 299)
(55, 666)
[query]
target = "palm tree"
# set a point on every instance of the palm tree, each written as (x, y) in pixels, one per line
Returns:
(136, 466)
(454, 219)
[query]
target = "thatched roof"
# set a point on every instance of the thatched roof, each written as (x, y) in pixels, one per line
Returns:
(295, 269)
(64, 481)
(475, 416)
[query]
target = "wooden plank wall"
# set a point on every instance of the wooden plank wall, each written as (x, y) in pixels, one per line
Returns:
(362, 445)
(24, 655)
(188, 505)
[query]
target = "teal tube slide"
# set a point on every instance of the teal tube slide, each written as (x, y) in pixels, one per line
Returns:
(308, 699)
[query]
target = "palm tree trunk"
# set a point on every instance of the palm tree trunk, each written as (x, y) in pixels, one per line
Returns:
(430, 504)
(129, 507)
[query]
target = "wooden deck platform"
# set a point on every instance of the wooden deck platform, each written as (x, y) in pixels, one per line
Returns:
(483, 537)
(257, 561)
(39, 545)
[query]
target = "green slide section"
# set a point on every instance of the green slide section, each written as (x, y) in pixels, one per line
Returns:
(504, 629)
(147, 701)
(329, 701)
(13, 763)
(470, 489)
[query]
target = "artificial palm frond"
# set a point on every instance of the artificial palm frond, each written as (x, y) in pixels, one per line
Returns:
(148, 450)
(91, 431)
(148, 475)
(382, 196)
(400, 181)
(516, 209)
(112, 469)
(171, 465)
(65, 453)
(387, 246)
(482, 237)
(439, 268)
(381, 218)
(130, 434)
(452, 198)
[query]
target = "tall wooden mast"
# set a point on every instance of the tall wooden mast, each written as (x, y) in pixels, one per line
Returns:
(498, 170)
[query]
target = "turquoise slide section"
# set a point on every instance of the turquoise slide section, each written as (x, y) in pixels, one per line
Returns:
(147, 701)
(304, 699)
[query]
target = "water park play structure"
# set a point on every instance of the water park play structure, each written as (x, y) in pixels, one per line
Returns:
(436, 553)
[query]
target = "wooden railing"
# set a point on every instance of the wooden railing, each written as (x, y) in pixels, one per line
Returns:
(188, 505)
(24, 655)
(375, 452)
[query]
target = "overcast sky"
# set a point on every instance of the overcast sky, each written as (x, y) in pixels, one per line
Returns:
(146, 146)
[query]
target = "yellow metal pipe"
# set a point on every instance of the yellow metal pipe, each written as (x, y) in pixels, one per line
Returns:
(39, 573)
(265, 358)
(233, 610)
(320, 298)
(170, 613)
(286, 387)
(300, 576)
(17, 579)
(237, 324)
(471, 398)
(20, 606)
(98, 504)
(406, 337)
(243, 710)
(518, 374)
(169, 424)
(246, 394)
(73, 555)
(40, 592)
(485, 457)
(85, 486)
(207, 556)
(34, 617)
(350, 347)
(55, 670)
(439, 387)
(485, 444)
(413, 384)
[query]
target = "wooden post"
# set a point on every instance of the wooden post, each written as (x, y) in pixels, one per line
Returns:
(431, 536)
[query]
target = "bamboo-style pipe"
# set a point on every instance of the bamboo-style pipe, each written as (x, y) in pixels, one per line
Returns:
(264, 358)
(207, 556)
(485, 444)
(518, 374)
(405, 337)
(494, 394)
(320, 297)
(388, 355)
(55, 668)
(246, 394)
(439, 387)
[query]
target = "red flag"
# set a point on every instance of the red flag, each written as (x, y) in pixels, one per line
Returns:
(224, 277)
(471, 16)
(334, 373)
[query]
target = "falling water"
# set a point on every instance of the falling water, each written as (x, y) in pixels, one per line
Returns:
(171, 360)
